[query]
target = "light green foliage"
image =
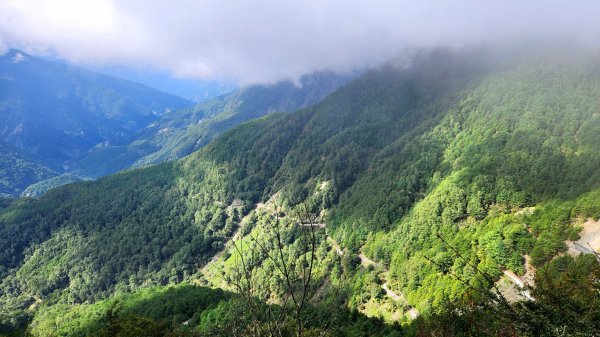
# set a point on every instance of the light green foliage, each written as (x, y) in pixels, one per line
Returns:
(150, 311)
(39, 188)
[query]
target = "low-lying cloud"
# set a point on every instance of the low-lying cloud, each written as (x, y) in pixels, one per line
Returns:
(266, 40)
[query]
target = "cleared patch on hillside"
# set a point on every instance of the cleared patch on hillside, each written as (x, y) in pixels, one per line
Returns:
(589, 241)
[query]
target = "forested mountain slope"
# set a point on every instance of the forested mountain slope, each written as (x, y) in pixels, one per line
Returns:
(37, 189)
(54, 112)
(422, 166)
(19, 170)
(186, 130)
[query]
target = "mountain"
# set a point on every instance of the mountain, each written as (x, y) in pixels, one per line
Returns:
(37, 189)
(53, 112)
(419, 183)
(184, 131)
(19, 170)
(89, 125)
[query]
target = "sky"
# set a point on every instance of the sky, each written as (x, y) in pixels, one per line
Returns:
(258, 41)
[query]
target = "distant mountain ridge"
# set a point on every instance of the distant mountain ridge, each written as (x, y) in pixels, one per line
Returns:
(180, 133)
(53, 112)
(189, 88)
(89, 125)
(18, 170)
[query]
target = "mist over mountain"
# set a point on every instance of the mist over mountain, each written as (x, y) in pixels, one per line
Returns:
(188, 88)
(265, 41)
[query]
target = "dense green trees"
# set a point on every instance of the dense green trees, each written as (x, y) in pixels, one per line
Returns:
(19, 170)
(442, 172)
(150, 311)
(184, 131)
(566, 304)
(39, 188)
(185, 310)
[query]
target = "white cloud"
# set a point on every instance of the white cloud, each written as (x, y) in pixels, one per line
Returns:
(266, 40)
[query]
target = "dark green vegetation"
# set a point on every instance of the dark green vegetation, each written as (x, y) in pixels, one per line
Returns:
(182, 132)
(182, 310)
(424, 168)
(19, 170)
(52, 113)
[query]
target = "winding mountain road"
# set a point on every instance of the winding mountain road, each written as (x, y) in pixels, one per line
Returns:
(410, 311)
(398, 297)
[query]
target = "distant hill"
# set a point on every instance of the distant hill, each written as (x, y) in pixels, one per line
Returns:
(37, 189)
(53, 112)
(19, 170)
(184, 131)
(75, 121)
